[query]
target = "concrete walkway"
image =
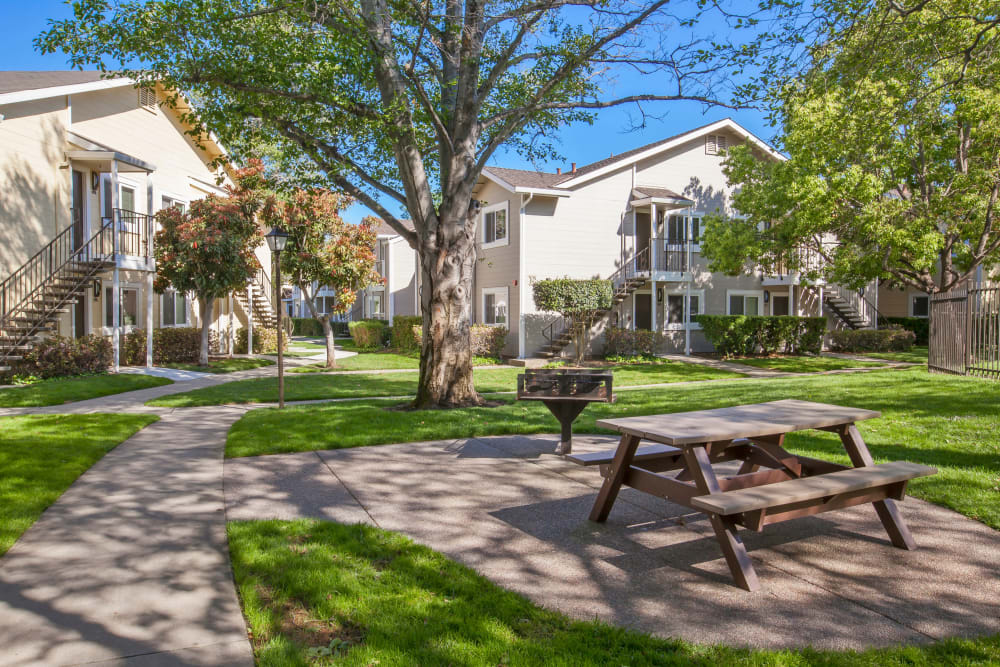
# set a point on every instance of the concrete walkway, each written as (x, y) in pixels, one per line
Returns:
(509, 508)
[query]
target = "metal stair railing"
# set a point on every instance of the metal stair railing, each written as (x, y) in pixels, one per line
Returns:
(866, 310)
(25, 285)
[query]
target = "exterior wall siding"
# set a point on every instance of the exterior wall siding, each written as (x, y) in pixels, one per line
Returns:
(499, 266)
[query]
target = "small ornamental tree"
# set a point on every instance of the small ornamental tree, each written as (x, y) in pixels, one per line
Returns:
(208, 250)
(324, 251)
(584, 302)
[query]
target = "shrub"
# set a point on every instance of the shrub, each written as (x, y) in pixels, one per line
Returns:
(621, 343)
(485, 340)
(746, 335)
(895, 339)
(306, 326)
(171, 345)
(920, 326)
(583, 301)
(265, 341)
(403, 338)
(368, 334)
(60, 356)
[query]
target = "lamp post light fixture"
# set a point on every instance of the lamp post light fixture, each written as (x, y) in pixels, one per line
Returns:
(277, 239)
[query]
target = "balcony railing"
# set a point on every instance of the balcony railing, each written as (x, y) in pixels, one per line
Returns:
(799, 260)
(133, 234)
(670, 255)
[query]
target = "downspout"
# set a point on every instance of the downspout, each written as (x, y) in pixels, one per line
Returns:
(522, 335)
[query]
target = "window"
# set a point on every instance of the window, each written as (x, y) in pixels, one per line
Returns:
(147, 99)
(716, 144)
(170, 202)
(127, 198)
(744, 303)
(674, 317)
(495, 306)
(675, 229)
(920, 306)
(129, 307)
(377, 305)
(173, 309)
(495, 225)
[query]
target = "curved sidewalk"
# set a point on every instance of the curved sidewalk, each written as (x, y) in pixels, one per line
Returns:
(131, 565)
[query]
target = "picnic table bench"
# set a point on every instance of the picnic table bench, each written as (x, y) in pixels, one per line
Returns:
(565, 392)
(771, 484)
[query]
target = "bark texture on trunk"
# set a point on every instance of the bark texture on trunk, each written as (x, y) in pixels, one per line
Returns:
(206, 304)
(331, 355)
(446, 296)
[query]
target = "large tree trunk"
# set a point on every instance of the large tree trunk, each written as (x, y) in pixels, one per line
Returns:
(206, 304)
(331, 353)
(446, 298)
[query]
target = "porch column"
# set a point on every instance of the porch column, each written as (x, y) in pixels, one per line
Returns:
(232, 330)
(653, 308)
(652, 240)
(150, 228)
(792, 303)
(115, 279)
(876, 304)
(686, 310)
(250, 317)
(635, 246)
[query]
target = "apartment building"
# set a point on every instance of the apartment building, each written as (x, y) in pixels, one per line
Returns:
(85, 163)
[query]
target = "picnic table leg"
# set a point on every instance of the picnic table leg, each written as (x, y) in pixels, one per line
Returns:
(888, 513)
(725, 529)
(613, 482)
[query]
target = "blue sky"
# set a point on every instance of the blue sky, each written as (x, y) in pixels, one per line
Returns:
(23, 21)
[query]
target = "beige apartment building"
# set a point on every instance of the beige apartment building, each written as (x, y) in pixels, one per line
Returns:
(85, 163)
(635, 218)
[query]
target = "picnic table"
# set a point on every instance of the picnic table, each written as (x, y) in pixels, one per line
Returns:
(770, 485)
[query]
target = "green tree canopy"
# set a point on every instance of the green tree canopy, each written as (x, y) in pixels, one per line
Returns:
(893, 138)
(582, 301)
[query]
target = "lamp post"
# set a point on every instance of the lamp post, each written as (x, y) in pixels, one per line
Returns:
(277, 239)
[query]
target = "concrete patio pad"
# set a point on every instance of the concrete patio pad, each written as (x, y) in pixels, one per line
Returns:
(509, 508)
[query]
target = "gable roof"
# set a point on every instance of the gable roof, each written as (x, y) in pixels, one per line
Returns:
(383, 228)
(24, 86)
(642, 191)
(521, 180)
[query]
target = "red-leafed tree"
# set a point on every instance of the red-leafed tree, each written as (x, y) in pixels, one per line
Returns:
(208, 250)
(324, 252)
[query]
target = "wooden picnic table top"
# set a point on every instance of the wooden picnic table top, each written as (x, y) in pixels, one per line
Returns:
(738, 421)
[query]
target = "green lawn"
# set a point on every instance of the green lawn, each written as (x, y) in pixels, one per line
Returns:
(318, 593)
(376, 361)
(224, 365)
(325, 386)
(67, 390)
(916, 355)
(944, 421)
(803, 364)
(41, 455)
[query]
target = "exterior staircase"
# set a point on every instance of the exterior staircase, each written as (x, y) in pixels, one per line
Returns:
(624, 281)
(262, 307)
(47, 285)
(852, 308)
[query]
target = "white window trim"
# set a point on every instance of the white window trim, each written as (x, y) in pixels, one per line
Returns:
(107, 329)
(502, 295)
(909, 304)
(187, 310)
(174, 197)
(502, 206)
(745, 292)
(667, 326)
(687, 215)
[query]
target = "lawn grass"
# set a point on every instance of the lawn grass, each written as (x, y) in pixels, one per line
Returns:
(318, 592)
(796, 364)
(944, 421)
(224, 365)
(328, 386)
(374, 361)
(916, 355)
(57, 391)
(41, 455)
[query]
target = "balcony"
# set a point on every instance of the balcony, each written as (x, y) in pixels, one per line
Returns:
(788, 269)
(671, 259)
(129, 241)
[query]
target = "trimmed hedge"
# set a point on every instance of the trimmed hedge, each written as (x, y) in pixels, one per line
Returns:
(368, 334)
(403, 338)
(60, 356)
(485, 340)
(310, 327)
(265, 341)
(171, 345)
(567, 296)
(920, 326)
(895, 339)
(748, 335)
(619, 342)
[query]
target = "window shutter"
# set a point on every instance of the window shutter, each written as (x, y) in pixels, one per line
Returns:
(711, 147)
(721, 143)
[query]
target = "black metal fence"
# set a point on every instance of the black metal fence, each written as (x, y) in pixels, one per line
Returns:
(965, 331)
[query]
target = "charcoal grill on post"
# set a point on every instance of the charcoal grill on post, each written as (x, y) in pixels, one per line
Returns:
(565, 392)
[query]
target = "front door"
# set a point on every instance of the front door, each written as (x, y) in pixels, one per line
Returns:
(643, 311)
(780, 305)
(79, 326)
